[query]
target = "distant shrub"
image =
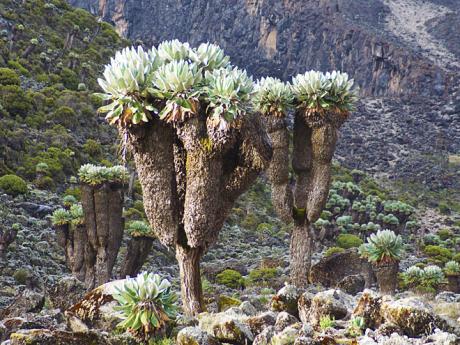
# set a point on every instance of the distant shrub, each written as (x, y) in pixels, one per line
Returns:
(42, 168)
(230, 278)
(347, 241)
(69, 78)
(333, 250)
(431, 239)
(9, 77)
(92, 148)
(13, 185)
(456, 257)
(438, 253)
(14, 100)
(262, 276)
(444, 208)
(452, 268)
(445, 234)
(45, 182)
(21, 276)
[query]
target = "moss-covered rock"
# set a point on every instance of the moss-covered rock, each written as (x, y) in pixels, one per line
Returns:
(226, 302)
(195, 336)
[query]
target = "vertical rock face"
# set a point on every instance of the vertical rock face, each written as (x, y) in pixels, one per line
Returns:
(283, 38)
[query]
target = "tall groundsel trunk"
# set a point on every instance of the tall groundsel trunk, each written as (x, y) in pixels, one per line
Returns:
(301, 251)
(190, 277)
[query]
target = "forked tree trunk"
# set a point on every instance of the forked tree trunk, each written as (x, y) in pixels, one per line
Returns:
(72, 238)
(102, 206)
(301, 250)
(190, 277)
(137, 252)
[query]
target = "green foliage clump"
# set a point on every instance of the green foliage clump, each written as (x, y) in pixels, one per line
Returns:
(225, 302)
(357, 325)
(9, 77)
(92, 148)
(452, 268)
(61, 217)
(456, 257)
(333, 250)
(230, 278)
(423, 280)
(383, 247)
(272, 97)
(21, 276)
(445, 234)
(147, 305)
(262, 276)
(318, 91)
(14, 101)
(76, 214)
(13, 185)
(138, 228)
(347, 241)
(326, 322)
(438, 254)
(69, 200)
(94, 175)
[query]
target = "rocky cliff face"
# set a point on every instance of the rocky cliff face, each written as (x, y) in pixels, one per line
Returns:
(402, 53)
(283, 38)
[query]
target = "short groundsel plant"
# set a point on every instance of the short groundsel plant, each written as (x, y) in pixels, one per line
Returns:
(147, 305)
(383, 247)
(138, 228)
(452, 268)
(357, 326)
(272, 97)
(61, 217)
(96, 175)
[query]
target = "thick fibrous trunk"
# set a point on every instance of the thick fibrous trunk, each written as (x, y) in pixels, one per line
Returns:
(72, 237)
(314, 140)
(6, 238)
(103, 206)
(301, 250)
(152, 148)
(191, 289)
(323, 141)
(137, 252)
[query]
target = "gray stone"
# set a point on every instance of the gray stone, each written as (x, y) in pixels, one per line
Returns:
(284, 320)
(195, 336)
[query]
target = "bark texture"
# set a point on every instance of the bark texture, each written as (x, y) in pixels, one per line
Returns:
(6, 238)
(191, 174)
(103, 207)
(300, 199)
(137, 252)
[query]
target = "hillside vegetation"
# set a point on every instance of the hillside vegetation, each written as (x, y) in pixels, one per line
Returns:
(50, 55)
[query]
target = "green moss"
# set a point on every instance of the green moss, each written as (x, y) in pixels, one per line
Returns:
(333, 250)
(225, 302)
(230, 278)
(347, 241)
(206, 144)
(13, 185)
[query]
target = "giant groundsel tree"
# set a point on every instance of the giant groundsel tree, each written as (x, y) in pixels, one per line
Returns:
(183, 114)
(322, 103)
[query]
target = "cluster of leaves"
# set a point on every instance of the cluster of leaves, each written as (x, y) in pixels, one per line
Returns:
(138, 228)
(383, 247)
(172, 82)
(317, 91)
(452, 268)
(426, 279)
(273, 97)
(74, 215)
(49, 55)
(95, 175)
(147, 305)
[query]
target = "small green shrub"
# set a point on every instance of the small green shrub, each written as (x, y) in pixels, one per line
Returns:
(438, 253)
(262, 276)
(333, 250)
(347, 241)
(326, 322)
(13, 185)
(45, 182)
(21, 276)
(92, 148)
(9, 77)
(230, 278)
(445, 234)
(456, 257)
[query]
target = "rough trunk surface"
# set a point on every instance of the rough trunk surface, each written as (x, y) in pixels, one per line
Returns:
(137, 252)
(301, 250)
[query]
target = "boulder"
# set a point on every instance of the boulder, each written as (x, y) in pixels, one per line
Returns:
(227, 327)
(248, 309)
(334, 303)
(352, 284)
(265, 337)
(287, 336)
(195, 336)
(284, 320)
(260, 322)
(444, 338)
(368, 307)
(66, 292)
(48, 337)
(29, 301)
(412, 315)
(304, 341)
(286, 300)
(331, 270)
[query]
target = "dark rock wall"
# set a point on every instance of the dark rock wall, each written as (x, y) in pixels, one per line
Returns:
(283, 38)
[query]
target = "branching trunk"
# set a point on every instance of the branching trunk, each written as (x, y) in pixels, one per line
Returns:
(102, 207)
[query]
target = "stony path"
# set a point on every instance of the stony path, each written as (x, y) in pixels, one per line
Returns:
(408, 20)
